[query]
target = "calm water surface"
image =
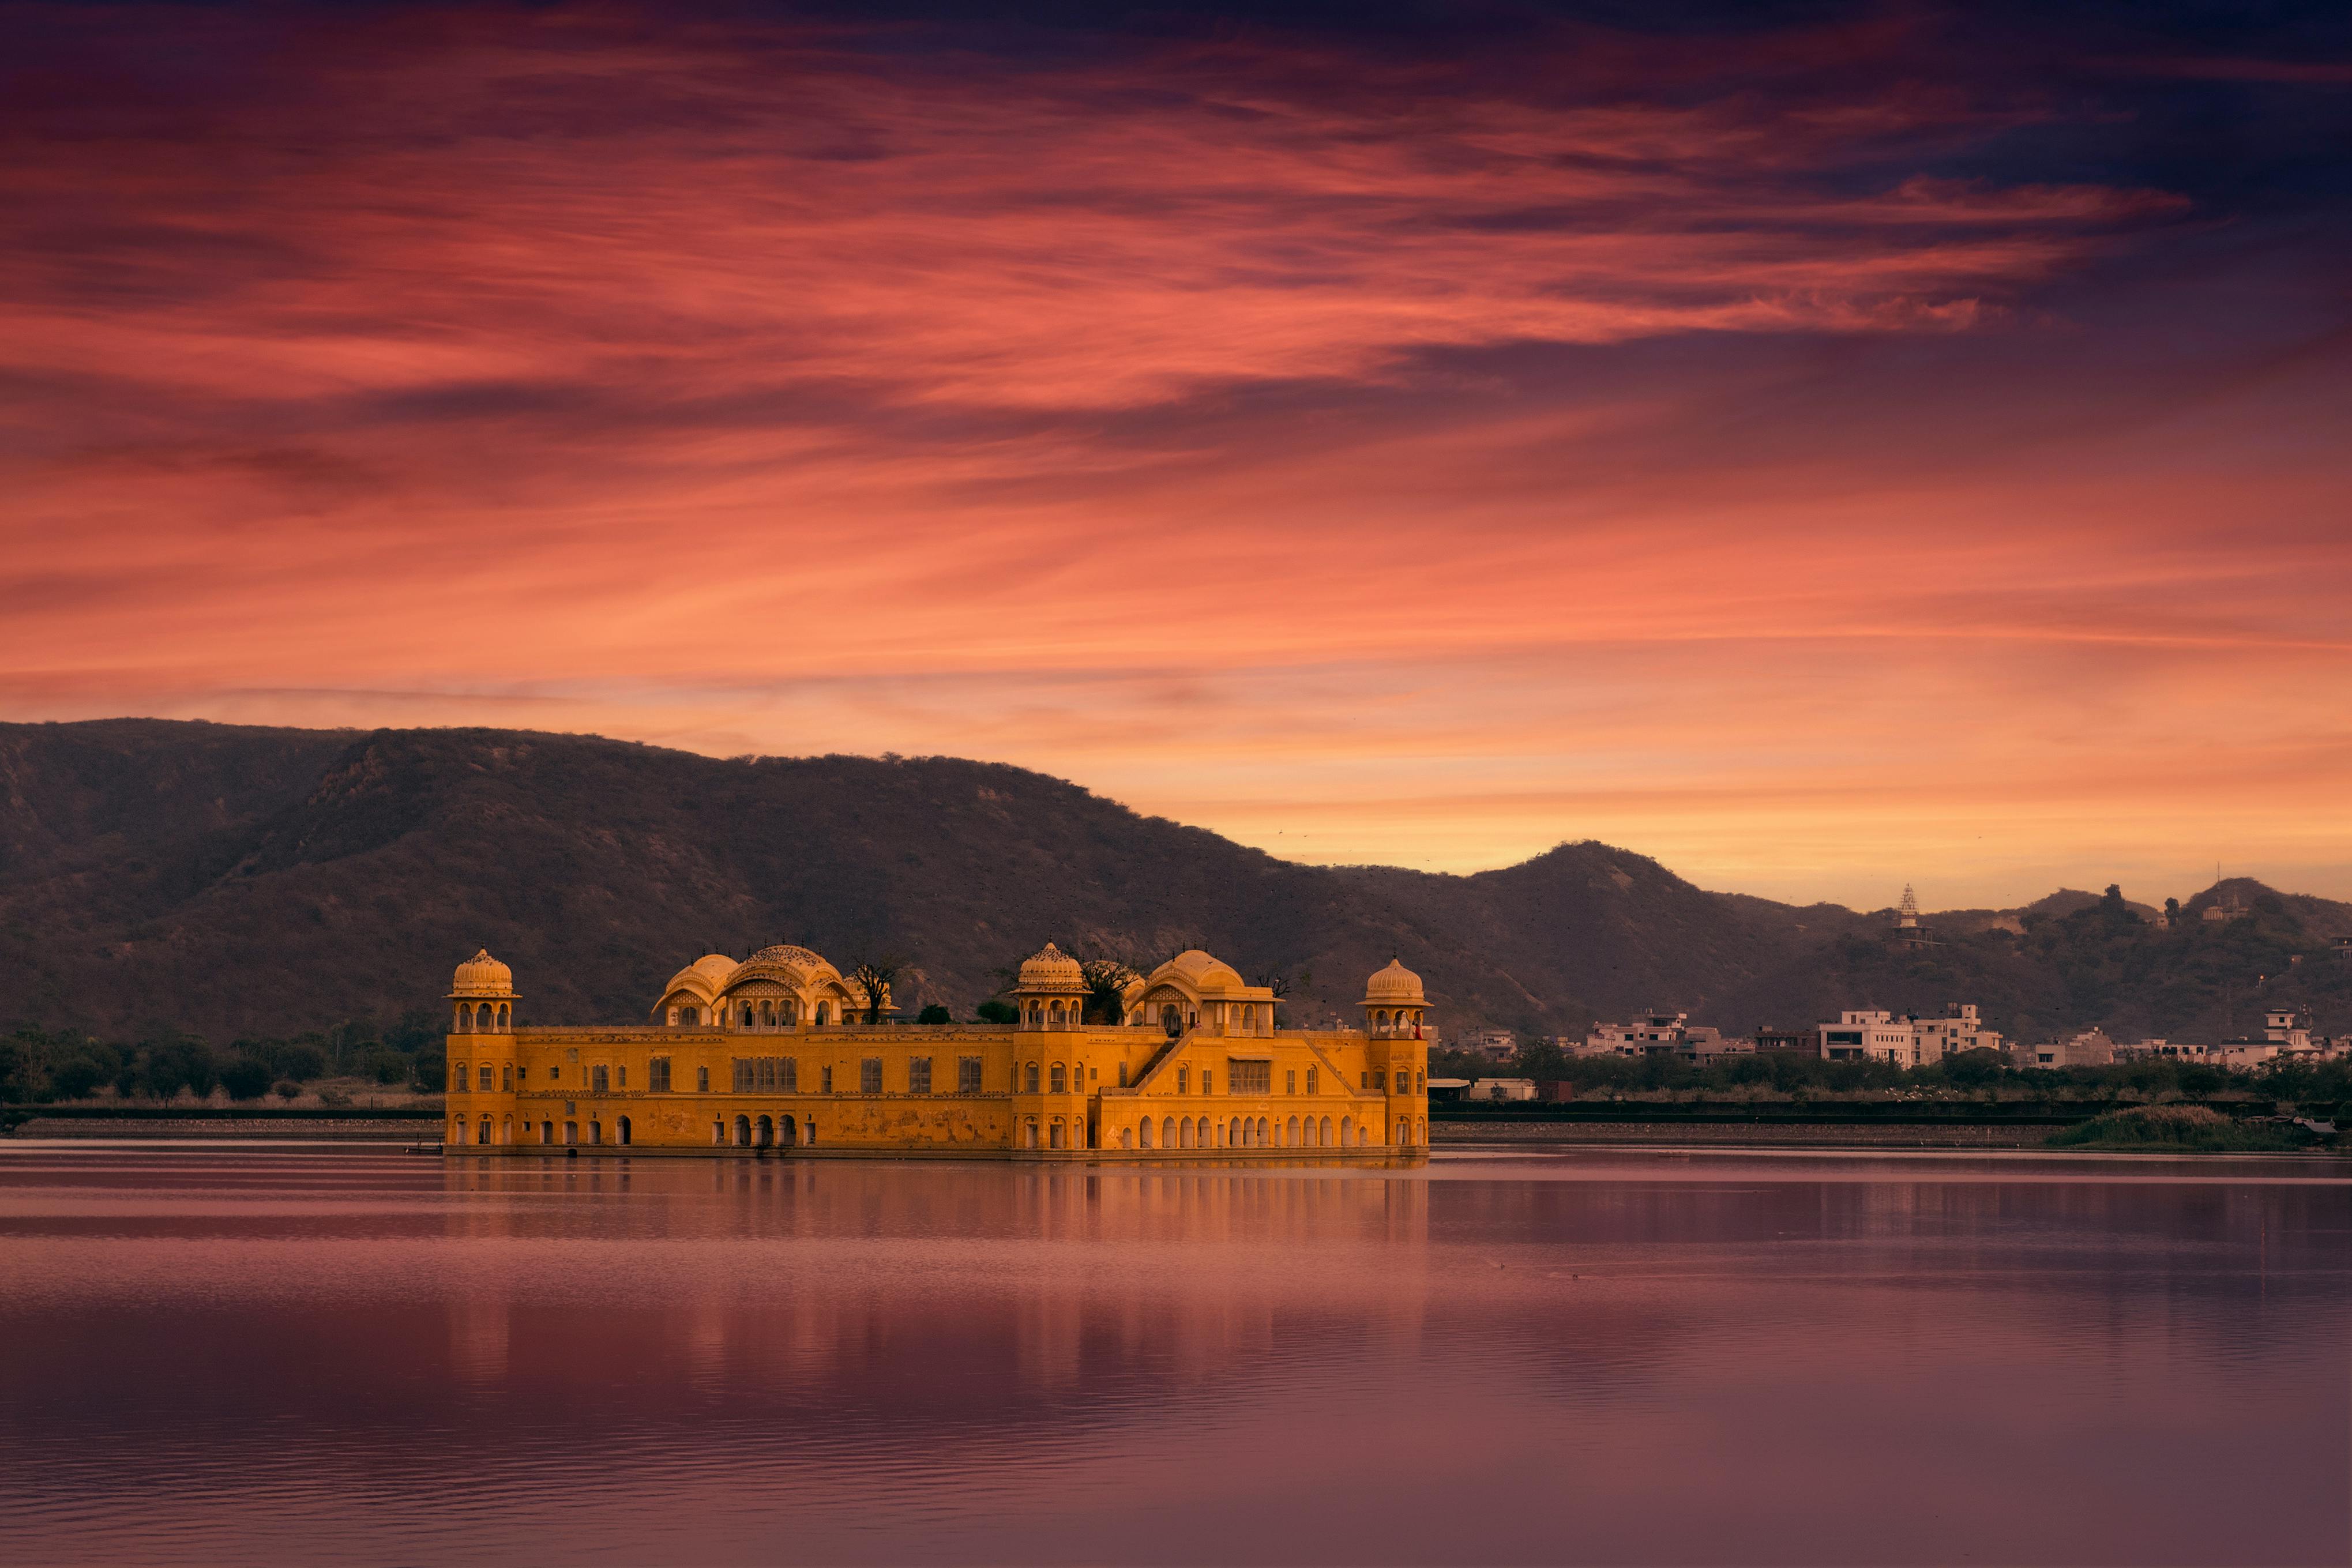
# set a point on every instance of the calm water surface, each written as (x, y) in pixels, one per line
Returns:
(255, 1355)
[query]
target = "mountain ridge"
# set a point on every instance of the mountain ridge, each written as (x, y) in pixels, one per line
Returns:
(234, 879)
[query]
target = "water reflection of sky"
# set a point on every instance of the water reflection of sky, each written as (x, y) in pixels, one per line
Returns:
(356, 1357)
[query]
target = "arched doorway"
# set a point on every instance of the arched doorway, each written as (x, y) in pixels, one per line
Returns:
(787, 1132)
(742, 1131)
(621, 1130)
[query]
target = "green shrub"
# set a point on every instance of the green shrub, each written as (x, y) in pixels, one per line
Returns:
(246, 1078)
(2186, 1128)
(935, 1014)
(996, 1010)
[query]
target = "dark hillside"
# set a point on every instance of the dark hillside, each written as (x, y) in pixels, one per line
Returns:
(236, 880)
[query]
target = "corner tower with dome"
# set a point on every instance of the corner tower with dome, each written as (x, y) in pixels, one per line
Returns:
(782, 1055)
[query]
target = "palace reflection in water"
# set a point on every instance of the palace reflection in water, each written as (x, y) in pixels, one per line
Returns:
(1604, 1357)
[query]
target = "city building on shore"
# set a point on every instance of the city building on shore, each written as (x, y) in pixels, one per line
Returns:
(1661, 1034)
(1906, 1039)
(779, 1051)
(2085, 1048)
(1486, 1090)
(1493, 1044)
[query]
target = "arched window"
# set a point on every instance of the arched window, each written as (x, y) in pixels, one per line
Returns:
(487, 1081)
(1236, 1134)
(1031, 1078)
(506, 1015)
(1326, 1131)
(1290, 1132)
(1167, 1132)
(1346, 1131)
(462, 1020)
(485, 1131)
(1203, 1134)
(1127, 1138)
(457, 1078)
(1143, 1134)
(1184, 1133)
(1061, 1079)
(506, 1076)
(823, 1014)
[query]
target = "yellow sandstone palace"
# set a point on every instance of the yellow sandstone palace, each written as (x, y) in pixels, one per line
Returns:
(762, 1055)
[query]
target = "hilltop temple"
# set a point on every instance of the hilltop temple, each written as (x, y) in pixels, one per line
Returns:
(770, 1054)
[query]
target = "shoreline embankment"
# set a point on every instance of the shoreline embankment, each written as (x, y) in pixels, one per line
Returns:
(1782, 1134)
(231, 1129)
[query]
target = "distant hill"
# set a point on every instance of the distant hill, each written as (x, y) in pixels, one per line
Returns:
(233, 880)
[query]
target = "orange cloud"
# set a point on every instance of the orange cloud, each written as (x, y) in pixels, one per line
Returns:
(1377, 461)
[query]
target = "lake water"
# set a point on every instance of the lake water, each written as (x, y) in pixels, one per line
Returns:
(232, 1355)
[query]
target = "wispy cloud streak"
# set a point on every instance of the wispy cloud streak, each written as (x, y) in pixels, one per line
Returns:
(1266, 428)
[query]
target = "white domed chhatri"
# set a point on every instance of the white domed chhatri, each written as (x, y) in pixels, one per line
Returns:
(482, 975)
(1394, 984)
(1393, 1003)
(1051, 970)
(483, 990)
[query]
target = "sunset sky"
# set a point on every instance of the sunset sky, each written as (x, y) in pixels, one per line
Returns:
(1822, 448)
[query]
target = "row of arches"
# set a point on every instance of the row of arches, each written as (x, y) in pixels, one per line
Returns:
(1055, 1012)
(486, 1134)
(482, 1018)
(1262, 1133)
(765, 1133)
(771, 1013)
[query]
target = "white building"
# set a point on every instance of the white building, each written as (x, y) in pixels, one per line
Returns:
(2287, 1030)
(1488, 1089)
(1873, 1034)
(1959, 1029)
(2087, 1048)
(1658, 1034)
(1493, 1044)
